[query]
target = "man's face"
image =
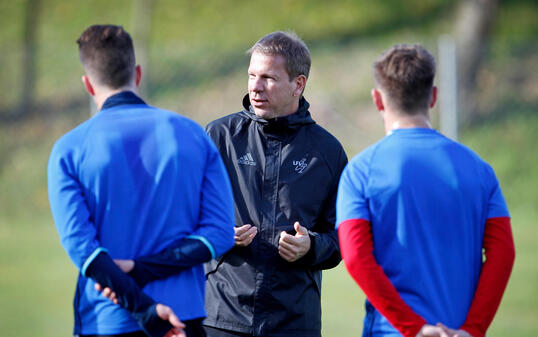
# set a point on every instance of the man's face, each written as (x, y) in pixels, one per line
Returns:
(272, 93)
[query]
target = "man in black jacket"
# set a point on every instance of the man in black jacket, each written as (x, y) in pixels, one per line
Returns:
(284, 170)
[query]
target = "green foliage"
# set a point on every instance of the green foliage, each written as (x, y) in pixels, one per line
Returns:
(516, 22)
(191, 41)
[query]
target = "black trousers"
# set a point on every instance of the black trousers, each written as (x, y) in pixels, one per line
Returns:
(193, 328)
(215, 332)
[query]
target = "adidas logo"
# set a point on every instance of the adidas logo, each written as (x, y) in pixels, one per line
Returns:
(247, 160)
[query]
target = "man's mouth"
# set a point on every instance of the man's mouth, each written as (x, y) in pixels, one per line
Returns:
(257, 102)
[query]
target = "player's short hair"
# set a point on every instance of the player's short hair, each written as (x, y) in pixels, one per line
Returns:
(107, 53)
(288, 45)
(405, 73)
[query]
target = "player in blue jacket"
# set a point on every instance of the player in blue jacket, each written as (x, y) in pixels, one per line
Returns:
(132, 181)
(418, 212)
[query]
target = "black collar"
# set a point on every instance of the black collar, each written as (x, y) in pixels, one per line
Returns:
(297, 119)
(122, 98)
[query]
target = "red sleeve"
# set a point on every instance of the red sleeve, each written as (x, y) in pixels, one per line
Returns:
(500, 254)
(356, 246)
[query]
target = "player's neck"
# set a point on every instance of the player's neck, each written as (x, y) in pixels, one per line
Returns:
(395, 121)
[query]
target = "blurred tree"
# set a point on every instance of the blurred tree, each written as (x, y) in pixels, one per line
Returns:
(30, 28)
(473, 26)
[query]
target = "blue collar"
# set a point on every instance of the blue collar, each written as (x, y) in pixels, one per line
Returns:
(122, 98)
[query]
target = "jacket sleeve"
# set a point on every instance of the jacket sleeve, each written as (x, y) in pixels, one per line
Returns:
(213, 236)
(324, 252)
(187, 254)
(357, 251)
(500, 254)
(69, 209)
(216, 221)
(78, 236)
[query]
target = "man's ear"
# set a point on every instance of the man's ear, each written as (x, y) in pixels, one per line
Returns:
(138, 75)
(434, 97)
(300, 83)
(377, 98)
(88, 85)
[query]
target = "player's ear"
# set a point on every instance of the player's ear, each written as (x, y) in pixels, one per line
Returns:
(138, 75)
(88, 85)
(377, 98)
(434, 97)
(300, 83)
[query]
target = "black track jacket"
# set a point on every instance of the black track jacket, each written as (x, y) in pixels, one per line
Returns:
(282, 170)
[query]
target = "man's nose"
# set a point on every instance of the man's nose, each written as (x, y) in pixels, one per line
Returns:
(256, 85)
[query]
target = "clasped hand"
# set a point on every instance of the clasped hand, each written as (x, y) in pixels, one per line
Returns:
(290, 247)
(163, 311)
(441, 330)
(293, 247)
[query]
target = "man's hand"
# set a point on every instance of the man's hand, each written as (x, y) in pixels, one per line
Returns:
(167, 314)
(454, 333)
(164, 312)
(432, 331)
(293, 247)
(244, 235)
(107, 292)
(441, 330)
(125, 265)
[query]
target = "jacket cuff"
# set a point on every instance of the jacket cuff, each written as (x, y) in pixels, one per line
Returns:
(206, 243)
(90, 259)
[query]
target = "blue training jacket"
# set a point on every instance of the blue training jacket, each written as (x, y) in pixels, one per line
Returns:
(133, 180)
(427, 199)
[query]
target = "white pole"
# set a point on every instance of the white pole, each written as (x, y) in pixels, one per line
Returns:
(448, 87)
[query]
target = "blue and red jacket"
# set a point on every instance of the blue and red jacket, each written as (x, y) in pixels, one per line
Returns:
(415, 212)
